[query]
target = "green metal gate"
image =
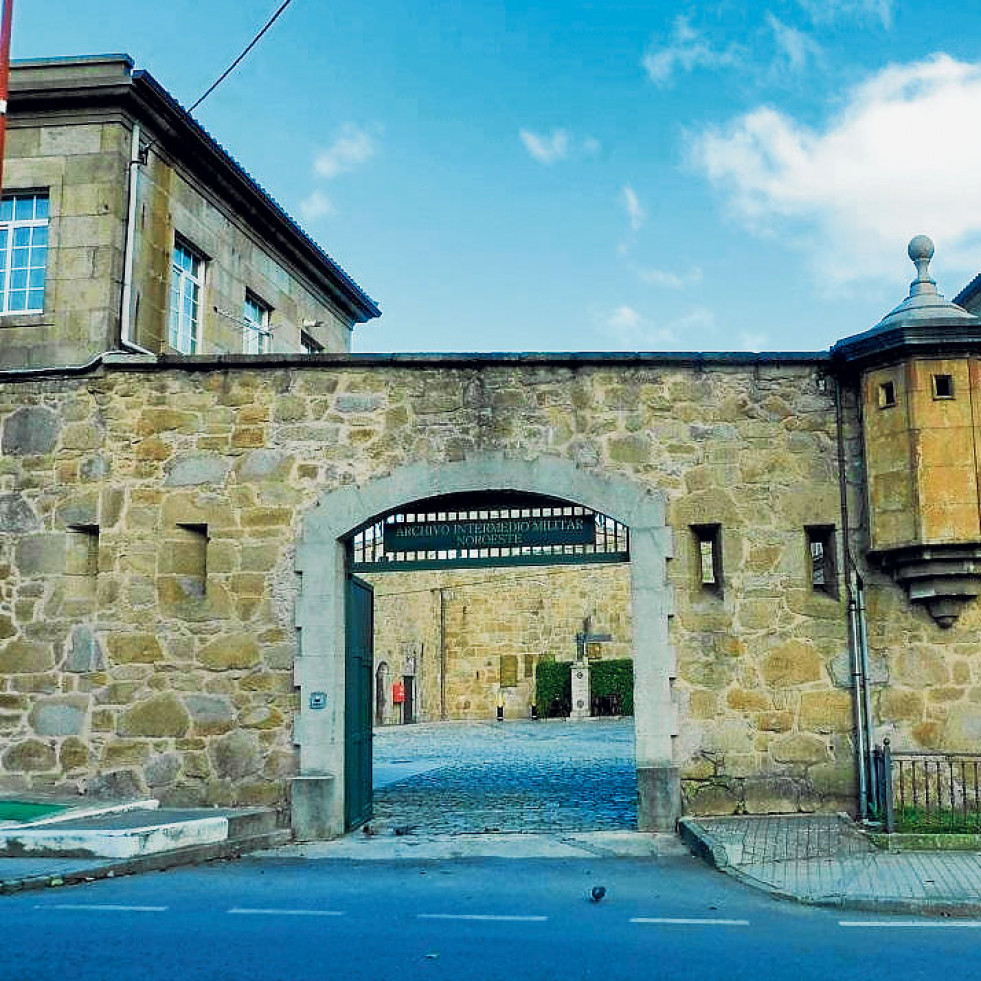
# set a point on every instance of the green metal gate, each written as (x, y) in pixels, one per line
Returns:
(359, 631)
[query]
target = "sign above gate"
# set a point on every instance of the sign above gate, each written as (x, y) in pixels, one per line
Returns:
(520, 532)
(486, 528)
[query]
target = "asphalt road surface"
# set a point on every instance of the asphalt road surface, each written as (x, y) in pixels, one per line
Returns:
(270, 918)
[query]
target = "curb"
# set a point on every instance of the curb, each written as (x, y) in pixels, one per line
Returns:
(713, 853)
(158, 862)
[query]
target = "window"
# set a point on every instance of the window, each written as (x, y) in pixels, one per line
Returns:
(887, 395)
(821, 551)
(943, 386)
(255, 315)
(82, 559)
(186, 271)
(189, 557)
(23, 251)
(309, 345)
(708, 540)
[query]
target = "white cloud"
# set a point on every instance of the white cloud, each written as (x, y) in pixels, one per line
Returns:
(546, 149)
(669, 279)
(559, 144)
(687, 50)
(352, 147)
(794, 47)
(635, 210)
(826, 11)
(901, 157)
(627, 329)
(316, 205)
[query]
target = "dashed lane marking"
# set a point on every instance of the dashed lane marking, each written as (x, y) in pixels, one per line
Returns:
(103, 907)
(688, 921)
(244, 911)
(911, 924)
(488, 917)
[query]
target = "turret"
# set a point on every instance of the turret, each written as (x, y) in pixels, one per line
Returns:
(919, 377)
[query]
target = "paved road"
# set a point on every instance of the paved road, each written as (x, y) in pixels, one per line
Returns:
(484, 919)
(457, 778)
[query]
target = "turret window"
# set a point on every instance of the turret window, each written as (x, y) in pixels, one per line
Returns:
(943, 386)
(887, 395)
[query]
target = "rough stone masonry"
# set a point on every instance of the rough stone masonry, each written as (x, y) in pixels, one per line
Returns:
(167, 667)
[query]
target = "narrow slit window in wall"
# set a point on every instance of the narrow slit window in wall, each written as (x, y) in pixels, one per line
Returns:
(943, 386)
(82, 558)
(191, 557)
(708, 542)
(887, 395)
(821, 553)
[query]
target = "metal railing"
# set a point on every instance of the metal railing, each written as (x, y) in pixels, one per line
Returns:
(928, 791)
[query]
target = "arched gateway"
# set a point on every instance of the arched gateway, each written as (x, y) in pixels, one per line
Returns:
(318, 805)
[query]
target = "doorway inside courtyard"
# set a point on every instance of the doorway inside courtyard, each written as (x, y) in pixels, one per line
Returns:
(496, 687)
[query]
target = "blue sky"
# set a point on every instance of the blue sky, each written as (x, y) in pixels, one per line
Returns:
(604, 175)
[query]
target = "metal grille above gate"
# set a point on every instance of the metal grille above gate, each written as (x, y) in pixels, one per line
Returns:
(487, 529)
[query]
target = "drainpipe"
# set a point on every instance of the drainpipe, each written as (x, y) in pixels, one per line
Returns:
(125, 319)
(854, 633)
(863, 636)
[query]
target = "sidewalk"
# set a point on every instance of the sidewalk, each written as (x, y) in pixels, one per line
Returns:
(824, 860)
(88, 843)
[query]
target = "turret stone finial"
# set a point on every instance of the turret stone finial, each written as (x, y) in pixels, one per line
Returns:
(920, 250)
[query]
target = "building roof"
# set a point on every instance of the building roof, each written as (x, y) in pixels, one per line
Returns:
(53, 85)
(924, 323)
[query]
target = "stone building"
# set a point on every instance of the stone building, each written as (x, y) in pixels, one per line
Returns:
(176, 532)
(127, 227)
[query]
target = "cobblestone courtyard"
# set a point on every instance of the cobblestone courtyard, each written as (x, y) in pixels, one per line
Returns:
(470, 777)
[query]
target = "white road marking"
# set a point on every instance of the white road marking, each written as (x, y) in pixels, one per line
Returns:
(688, 921)
(489, 917)
(245, 911)
(103, 907)
(914, 924)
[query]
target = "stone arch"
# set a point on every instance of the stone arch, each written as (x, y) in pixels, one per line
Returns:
(317, 800)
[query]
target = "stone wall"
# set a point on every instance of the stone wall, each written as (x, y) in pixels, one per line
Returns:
(166, 665)
(468, 620)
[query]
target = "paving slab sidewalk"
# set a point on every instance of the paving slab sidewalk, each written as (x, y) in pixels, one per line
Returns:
(825, 860)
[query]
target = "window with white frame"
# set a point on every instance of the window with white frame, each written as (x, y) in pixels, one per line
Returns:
(255, 318)
(23, 251)
(186, 277)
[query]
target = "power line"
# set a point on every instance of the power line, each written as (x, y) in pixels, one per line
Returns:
(144, 153)
(221, 78)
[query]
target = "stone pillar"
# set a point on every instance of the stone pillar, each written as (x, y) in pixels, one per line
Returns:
(318, 792)
(655, 714)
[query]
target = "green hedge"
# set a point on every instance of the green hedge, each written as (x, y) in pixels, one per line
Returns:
(553, 688)
(611, 687)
